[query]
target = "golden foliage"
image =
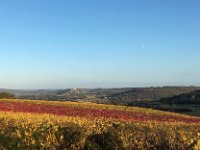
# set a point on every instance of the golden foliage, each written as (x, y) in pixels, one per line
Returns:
(42, 131)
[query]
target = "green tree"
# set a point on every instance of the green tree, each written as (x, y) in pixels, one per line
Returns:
(7, 95)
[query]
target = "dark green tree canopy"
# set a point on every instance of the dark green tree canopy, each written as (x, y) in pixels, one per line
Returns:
(6, 95)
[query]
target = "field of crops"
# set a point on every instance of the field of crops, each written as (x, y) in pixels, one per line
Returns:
(28, 124)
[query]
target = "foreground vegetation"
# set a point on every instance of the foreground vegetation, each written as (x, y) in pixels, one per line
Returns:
(28, 131)
(25, 129)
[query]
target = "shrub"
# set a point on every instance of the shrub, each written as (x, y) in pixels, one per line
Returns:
(7, 95)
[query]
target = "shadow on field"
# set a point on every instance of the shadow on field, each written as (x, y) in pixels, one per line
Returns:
(103, 141)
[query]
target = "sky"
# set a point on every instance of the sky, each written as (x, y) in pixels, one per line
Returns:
(99, 43)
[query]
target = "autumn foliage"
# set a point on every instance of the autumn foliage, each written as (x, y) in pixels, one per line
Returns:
(70, 125)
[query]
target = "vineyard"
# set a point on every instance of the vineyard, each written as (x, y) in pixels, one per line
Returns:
(32, 124)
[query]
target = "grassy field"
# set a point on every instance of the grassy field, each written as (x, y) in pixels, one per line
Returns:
(31, 124)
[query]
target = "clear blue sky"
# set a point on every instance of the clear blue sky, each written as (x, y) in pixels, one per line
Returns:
(99, 43)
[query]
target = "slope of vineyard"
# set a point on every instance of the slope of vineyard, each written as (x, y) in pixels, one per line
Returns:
(32, 124)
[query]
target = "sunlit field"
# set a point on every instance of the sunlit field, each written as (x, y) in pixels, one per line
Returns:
(28, 124)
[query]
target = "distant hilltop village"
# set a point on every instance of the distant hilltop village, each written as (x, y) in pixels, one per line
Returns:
(74, 90)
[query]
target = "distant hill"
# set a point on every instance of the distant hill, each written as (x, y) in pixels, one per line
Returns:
(186, 98)
(149, 94)
(176, 99)
(103, 95)
(187, 103)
